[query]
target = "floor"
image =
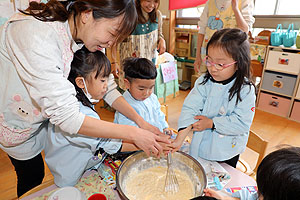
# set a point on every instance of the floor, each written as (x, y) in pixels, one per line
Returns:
(276, 130)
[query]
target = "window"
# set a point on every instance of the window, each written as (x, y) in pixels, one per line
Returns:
(190, 12)
(263, 7)
(277, 7)
(288, 7)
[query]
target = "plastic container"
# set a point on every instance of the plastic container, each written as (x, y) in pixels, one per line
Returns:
(97, 196)
(67, 193)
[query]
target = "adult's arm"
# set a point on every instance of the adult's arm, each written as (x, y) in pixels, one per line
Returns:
(240, 21)
(35, 48)
(161, 45)
(244, 16)
(247, 10)
(198, 60)
(202, 23)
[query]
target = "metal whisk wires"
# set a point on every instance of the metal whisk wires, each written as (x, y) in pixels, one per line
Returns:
(171, 183)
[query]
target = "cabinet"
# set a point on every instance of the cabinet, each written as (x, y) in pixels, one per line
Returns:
(279, 92)
(185, 50)
(186, 42)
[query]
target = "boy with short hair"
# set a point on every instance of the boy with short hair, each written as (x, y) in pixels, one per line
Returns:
(140, 75)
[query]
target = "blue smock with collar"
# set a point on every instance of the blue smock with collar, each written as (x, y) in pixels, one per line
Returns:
(245, 195)
(68, 156)
(232, 122)
(149, 110)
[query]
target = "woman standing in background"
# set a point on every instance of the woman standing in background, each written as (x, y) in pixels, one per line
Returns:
(145, 40)
(219, 14)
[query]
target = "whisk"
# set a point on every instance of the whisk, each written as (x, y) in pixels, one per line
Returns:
(171, 183)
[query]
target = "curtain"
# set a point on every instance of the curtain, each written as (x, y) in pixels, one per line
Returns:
(180, 4)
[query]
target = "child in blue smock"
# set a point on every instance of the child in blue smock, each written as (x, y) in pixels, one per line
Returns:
(278, 178)
(220, 108)
(69, 156)
(140, 75)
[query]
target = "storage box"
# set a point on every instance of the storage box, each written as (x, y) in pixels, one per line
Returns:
(279, 82)
(181, 52)
(274, 104)
(182, 45)
(295, 115)
(284, 62)
(298, 92)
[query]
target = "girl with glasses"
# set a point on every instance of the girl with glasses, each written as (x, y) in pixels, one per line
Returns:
(220, 108)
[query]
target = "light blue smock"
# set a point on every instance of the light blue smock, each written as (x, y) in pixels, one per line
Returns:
(68, 156)
(244, 194)
(232, 122)
(149, 110)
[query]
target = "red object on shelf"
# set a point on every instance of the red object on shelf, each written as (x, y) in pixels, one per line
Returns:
(97, 196)
(177, 4)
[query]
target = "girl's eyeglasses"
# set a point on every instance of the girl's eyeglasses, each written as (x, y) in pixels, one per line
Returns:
(218, 66)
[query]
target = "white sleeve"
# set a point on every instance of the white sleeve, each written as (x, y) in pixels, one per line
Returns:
(112, 93)
(247, 9)
(35, 50)
(202, 23)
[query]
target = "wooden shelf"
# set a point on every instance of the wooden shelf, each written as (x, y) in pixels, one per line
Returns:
(277, 93)
(289, 108)
(282, 71)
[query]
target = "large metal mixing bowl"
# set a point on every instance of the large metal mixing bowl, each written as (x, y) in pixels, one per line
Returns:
(182, 161)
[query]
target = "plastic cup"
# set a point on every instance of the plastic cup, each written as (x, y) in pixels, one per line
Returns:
(97, 196)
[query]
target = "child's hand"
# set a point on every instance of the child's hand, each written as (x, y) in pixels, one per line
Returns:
(217, 195)
(202, 124)
(176, 145)
(161, 47)
(166, 147)
(115, 69)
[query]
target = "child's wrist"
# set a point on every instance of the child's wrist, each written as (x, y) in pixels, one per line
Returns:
(180, 137)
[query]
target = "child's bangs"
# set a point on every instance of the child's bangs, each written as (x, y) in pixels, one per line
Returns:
(103, 70)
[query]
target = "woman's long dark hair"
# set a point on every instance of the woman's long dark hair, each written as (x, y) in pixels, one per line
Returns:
(83, 65)
(235, 43)
(61, 11)
(152, 14)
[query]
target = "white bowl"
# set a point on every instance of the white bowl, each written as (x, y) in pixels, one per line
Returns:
(67, 193)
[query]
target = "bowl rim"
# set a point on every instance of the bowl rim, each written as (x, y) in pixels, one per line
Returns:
(138, 152)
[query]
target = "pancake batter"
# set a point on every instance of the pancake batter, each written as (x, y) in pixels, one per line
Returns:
(149, 184)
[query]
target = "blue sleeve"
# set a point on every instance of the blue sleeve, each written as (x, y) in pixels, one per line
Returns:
(240, 120)
(83, 140)
(193, 105)
(122, 119)
(161, 115)
(244, 194)
(110, 146)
